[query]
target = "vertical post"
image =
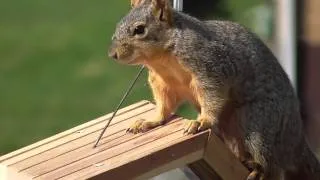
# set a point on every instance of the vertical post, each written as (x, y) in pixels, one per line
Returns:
(286, 33)
(178, 5)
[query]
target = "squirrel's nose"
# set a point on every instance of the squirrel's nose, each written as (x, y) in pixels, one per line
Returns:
(113, 54)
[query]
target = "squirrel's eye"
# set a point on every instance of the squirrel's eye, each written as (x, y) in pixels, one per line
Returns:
(139, 30)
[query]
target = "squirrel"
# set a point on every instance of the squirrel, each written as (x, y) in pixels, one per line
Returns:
(231, 77)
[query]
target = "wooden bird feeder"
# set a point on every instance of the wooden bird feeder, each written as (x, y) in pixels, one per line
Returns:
(69, 155)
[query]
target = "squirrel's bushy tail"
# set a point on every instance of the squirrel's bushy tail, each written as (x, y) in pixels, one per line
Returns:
(311, 162)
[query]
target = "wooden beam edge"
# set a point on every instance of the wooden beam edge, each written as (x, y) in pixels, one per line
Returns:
(221, 159)
(176, 154)
(195, 156)
(9, 173)
(203, 171)
(70, 131)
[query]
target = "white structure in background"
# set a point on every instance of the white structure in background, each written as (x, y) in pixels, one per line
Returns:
(286, 37)
(178, 5)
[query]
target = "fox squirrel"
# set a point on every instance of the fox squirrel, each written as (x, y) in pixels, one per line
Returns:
(229, 75)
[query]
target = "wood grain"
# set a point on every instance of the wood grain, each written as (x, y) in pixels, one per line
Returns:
(162, 156)
(15, 154)
(78, 160)
(69, 155)
(83, 143)
(227, 166)
(172, 165)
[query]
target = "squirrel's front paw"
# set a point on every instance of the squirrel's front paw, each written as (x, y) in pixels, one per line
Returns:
(194, 126)
(141, 125)
(191, 127)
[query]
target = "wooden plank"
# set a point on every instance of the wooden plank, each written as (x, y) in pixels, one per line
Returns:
(84, 143)
(111, 153)
(75, 133)
(71, 131)
(151, 162)
(172, 165)
(92, 131)
(85, 153)
(69, 155)
(218, 156)
(10, 173)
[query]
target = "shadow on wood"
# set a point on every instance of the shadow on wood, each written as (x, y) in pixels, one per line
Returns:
(69, 155)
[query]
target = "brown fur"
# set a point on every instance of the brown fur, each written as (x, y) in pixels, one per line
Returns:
(171, 84)
(135, 3)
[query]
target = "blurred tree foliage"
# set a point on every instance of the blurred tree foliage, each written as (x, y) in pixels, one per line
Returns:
(221, 9)
(207, 9)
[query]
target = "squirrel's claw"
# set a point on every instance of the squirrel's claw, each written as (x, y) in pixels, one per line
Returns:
(142, 125)
(191, 127)
(255, 175)
(135, 127)
(204, 125)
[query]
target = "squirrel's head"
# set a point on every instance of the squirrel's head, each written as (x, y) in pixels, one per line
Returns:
(143, 32)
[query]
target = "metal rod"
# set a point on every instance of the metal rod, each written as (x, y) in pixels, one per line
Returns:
(119, 105)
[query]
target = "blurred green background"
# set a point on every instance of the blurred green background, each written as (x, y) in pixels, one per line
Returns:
(54, 73)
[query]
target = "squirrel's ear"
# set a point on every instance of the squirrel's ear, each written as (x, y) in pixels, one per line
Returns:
(162, 10)
(135, 3)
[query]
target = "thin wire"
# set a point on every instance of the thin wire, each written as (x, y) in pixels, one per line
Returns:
(118, 107)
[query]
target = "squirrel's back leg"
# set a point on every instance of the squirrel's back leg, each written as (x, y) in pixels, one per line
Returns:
(265, 126)
(232, 135)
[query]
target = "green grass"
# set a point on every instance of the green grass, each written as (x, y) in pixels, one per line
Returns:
(54, 73)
